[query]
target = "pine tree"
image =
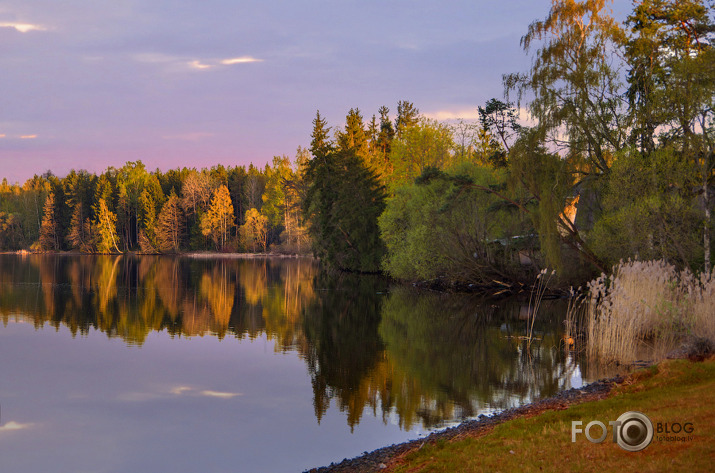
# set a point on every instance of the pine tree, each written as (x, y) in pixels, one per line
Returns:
(147, 213)
(407, 116)
(49, 239)
(354, 137)
(320, 143)
(78, 237)
(342, 204)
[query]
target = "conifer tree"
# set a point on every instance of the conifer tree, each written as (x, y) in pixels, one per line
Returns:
(320, 142)
(407, 116)
(343, 201)
(49, 238)
(354, 137)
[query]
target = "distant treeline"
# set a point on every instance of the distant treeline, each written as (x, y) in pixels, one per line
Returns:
(133, 209)
(614, 162)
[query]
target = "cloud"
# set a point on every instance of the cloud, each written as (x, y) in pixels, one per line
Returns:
(180, 390)
(199, 65)
(209, 64)
(23, 27)
(2, 135)
(445, 115)
(240, 60)
(192, 63)
(219, 394)
(175, 391)
(28, 137)
(12, 425)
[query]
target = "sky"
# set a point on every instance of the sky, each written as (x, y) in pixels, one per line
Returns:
(87, 84)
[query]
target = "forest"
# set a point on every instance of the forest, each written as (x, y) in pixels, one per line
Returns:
(601, 151)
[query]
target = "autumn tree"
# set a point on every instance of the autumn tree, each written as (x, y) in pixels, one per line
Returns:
(196, 192)
(106, 229)
(49, 238)
(170, 227)
(254, 233)
(218, 221)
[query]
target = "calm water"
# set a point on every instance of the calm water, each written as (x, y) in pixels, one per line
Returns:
(147, 364)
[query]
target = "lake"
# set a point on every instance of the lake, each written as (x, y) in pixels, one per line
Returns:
(157, 363)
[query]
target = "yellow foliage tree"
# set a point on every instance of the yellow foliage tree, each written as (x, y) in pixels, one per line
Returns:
(255, 231)
(218, 221)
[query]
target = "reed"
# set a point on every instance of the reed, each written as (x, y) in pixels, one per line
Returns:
(646, 309)
(535, 298)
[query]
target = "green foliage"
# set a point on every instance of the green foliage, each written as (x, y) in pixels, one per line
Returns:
(443, 226)
(407, 117)
(342, 204)
(320, 143)
(648, 211)
(500, 119)
(424, 143)
(354, 137)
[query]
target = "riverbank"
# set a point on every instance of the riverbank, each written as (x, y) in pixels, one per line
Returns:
(537, 437)
(190, 254)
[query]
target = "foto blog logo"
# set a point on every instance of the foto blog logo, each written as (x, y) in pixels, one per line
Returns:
(632, 431)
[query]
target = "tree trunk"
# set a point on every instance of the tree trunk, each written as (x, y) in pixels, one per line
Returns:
(706, 232)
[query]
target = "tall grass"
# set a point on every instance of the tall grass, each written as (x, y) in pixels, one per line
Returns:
(647, 308)
(535, 298)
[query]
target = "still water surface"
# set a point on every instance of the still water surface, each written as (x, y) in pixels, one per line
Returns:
(145, 364)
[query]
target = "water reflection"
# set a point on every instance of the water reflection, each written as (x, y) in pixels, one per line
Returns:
(404, 356)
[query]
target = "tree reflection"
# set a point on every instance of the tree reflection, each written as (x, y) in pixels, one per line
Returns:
(409, 357)
(435, 358)
(128, 297)
(344, 347)
(470, 360)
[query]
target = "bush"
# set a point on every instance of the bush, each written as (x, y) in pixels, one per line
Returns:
(442, 225)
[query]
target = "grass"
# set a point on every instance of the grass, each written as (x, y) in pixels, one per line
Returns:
(647, 308)
(673, 391)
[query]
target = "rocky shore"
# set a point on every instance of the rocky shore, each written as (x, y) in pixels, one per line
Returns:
(378, 460)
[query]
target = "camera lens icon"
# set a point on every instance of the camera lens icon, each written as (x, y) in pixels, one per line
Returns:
(634, 431)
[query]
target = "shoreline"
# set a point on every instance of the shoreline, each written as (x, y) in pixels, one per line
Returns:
(190, 254)
(377, 460)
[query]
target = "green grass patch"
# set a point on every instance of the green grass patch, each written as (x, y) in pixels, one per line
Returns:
(672, 392)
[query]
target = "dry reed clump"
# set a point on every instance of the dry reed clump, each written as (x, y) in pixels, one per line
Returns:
(647, 308)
